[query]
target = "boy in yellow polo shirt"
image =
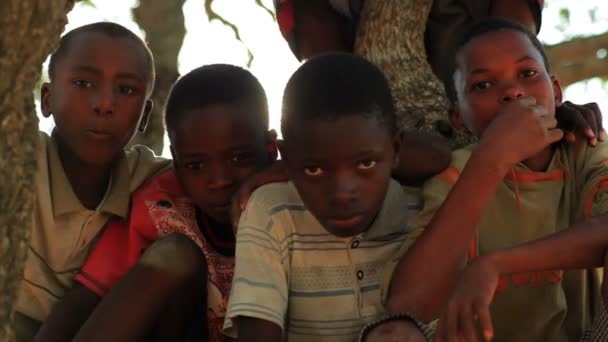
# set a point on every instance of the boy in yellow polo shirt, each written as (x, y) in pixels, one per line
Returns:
(101, 77)
(518, 184)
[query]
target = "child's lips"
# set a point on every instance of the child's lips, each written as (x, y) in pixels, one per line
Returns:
(98, 134)
(346, 222)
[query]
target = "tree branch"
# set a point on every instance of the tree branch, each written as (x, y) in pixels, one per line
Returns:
(268, 10)
(212, 15)
(576, 60)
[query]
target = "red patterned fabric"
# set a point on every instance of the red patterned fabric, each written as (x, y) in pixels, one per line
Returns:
(158, 209)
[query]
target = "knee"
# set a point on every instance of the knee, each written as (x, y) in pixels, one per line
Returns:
(175, 254)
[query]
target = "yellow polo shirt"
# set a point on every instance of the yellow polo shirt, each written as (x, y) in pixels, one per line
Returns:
(64, 230)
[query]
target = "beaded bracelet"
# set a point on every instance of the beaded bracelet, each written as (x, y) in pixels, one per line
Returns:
(425, 329)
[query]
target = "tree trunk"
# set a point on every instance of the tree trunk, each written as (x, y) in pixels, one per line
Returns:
(29, 30)
(163, 22)
(398, 49)
(577, 59)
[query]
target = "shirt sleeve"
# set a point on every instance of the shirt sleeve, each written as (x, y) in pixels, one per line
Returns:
(260, 284)
(113, 256)
(591, 171)
(434, 193)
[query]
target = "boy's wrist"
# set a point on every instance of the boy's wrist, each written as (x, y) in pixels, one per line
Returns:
(489, 162)
(426, 330)
(494, 261)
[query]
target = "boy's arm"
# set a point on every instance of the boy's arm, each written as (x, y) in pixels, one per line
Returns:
(259, 294)
(580, 246)
(69, 315)
(254, 329)
(421, 157)
(422, 282)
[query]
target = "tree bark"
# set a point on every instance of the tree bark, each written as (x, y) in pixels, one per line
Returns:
(398, 49)
(577, 59)
(163, 22)
(29, 30)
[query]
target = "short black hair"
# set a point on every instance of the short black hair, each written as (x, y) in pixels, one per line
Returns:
(478, 28)
(216, 84)
(331, 85)
(110, 29)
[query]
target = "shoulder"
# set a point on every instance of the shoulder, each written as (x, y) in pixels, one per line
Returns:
(144, 164)
(451, 174)
(140, 156)
(162, 186)
(275, 205)
(276, 194)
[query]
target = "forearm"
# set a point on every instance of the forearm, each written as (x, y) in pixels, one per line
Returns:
(422, 282)
(516, 10)
(69, 315)
(581, 246)
(254, 329)
(421, 157)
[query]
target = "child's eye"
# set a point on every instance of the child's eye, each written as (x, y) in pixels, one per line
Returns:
(241, 158)
(83, 84)
(313, 171)
(529, 73)
(481, 85)
(194, 165)
(126, 90)
(366, 164)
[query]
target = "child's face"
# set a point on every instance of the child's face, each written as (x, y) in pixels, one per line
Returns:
(98, 96)
(215, 149)
(342, 169)
(494, 69)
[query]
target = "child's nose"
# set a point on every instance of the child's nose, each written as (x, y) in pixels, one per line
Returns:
(220, 177)
(344, 190)
(511, 93)
(105, 101)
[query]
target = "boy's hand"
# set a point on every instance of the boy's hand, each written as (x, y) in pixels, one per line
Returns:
(397, 331)
(277, 172)
(470, 302)
(519, 131)
(581, 121)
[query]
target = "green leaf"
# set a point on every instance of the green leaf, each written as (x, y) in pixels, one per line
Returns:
(593, 14)
(564, 14)
(87, 3)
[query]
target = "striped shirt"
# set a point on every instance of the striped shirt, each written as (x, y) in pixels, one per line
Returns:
(314, 285)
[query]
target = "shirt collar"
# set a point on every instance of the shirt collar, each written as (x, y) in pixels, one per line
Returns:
(65, 201)
(393, 216)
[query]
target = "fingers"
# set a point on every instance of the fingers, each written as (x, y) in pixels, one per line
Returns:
(466, 319)
(554, 135)
(597, 113)
(451, 333)
(482, 310)
(585, 120)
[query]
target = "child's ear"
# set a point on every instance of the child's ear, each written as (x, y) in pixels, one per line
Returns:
(397, 141)
(45, 103)
(455, 117)
(146, 116)
(557, 91)
(271, 143)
